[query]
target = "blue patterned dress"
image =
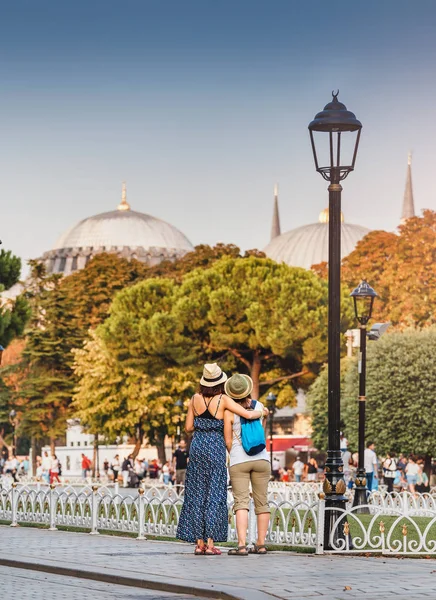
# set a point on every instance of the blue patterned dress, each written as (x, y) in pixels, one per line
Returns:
(204, 512)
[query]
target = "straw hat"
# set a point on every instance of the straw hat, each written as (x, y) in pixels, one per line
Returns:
(212, 375)
(238, 386)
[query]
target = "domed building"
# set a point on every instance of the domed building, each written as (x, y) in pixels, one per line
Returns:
(308, 245)
(123, 231)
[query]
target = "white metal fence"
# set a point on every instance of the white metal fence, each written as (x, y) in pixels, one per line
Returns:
(397, 523)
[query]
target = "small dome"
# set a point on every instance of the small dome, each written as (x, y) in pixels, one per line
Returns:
(308, 245)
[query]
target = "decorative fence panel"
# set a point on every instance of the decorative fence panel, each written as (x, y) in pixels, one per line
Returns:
(396, 523)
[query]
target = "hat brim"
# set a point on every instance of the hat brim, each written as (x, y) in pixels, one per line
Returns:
(240, 396)
(205, 383)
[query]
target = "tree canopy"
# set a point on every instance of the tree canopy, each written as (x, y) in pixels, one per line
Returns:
(401, 388)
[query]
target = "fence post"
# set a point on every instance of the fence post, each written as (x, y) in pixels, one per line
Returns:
(405, 503)
(252, 522)
(94, 511)
(141, 514)
(320, 524)
(52, 507)
(14, 504)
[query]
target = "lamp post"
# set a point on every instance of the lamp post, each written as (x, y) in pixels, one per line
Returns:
(363, 296)
(271, 400)
(335, 129)
(179, 405)
(13, 422)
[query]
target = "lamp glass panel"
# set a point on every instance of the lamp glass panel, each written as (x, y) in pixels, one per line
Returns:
(337, 154)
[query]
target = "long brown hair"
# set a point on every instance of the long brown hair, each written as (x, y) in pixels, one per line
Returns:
(210, 392)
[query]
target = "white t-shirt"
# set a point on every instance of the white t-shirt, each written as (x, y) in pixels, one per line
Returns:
(237, 452)
(46, 463)
(370, 460)
(298, 467)
(412, 469)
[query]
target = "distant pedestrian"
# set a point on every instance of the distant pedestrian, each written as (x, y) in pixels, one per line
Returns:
(347, 459)
(46, 466)
(125, 470)
(106, 467)
(86, 466)
(298, 468)
(180, 462)
(54, 470)
(390, 471)
(276, 469)
(115, 466)
(412, 471)
(422, 484)
(371, 465)
(312, 469)
(166, 473)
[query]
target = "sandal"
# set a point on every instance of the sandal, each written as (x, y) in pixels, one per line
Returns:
(238, 551)
(255, 549)
(199, 550)
(212, 551)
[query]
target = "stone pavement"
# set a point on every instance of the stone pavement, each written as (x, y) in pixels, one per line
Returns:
(158, 565)
(31, 585)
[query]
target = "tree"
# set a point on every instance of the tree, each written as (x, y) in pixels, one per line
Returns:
(401, 268)
(14, 314)
(317, 401)
(401, 387)
(114, 399)
(203, 256)
(268, 319)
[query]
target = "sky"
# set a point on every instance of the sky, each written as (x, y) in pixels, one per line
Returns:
(202, 106)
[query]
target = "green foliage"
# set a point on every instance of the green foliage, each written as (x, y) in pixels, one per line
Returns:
(401, 389)
(317, 401)
(262, 317)
(10, 269)
(114, 398)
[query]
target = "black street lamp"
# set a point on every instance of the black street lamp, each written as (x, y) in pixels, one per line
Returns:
(271, 400)
(179, 405)
(363, 296)
(335, 120)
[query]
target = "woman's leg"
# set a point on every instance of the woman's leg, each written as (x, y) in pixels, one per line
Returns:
(242, 526)
(259, 482)
(240, 480)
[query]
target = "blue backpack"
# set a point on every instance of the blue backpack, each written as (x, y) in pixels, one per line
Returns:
(252, 434)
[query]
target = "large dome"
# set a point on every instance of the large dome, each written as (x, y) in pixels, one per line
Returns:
(123, 231)
(308, 245)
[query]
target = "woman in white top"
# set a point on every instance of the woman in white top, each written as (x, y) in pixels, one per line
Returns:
(245, 469)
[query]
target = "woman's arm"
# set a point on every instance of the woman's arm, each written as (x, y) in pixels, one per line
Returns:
(236, 408)
(228, 429)
(189, 423)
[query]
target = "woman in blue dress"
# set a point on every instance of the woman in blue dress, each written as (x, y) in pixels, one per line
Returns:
(204, 516)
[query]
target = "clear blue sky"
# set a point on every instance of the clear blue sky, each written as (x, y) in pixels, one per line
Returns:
(201, 106)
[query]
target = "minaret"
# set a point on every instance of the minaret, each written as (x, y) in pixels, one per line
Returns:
(123, 205)
(275, 229)
(408, 204)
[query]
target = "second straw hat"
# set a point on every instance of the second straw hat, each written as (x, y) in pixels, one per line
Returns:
(238, 386)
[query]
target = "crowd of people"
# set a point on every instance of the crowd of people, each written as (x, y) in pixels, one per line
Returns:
(133, 470)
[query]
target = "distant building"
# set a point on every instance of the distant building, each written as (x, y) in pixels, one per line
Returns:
(124, 232)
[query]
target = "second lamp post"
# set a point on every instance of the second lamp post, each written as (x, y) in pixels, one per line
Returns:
(363, 297)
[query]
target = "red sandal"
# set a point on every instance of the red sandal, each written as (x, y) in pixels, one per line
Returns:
(214, 551)
(199, 550)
